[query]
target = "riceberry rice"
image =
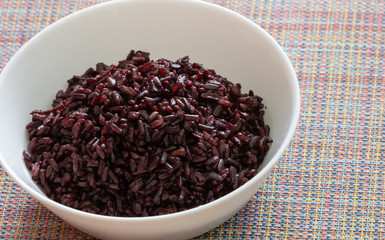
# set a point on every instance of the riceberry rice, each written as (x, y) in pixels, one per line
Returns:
(145, 138)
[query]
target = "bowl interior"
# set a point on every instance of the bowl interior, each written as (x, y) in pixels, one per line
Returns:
(219, 39)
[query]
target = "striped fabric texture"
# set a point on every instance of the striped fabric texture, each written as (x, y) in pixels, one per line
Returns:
(330, 183)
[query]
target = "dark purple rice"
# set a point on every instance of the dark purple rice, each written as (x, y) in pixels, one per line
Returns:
(146, 138)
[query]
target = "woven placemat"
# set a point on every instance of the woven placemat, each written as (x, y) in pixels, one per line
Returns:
(330, 183)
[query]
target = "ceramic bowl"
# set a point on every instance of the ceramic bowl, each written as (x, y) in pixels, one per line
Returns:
(209, 34)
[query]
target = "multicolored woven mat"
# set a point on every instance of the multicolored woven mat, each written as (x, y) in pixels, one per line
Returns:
(330, 183)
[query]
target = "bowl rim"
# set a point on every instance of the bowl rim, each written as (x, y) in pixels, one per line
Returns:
(265, 170)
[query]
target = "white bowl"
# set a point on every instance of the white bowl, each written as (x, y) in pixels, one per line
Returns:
(214, 36)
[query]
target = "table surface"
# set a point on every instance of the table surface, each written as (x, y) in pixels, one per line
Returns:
(330, 183)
